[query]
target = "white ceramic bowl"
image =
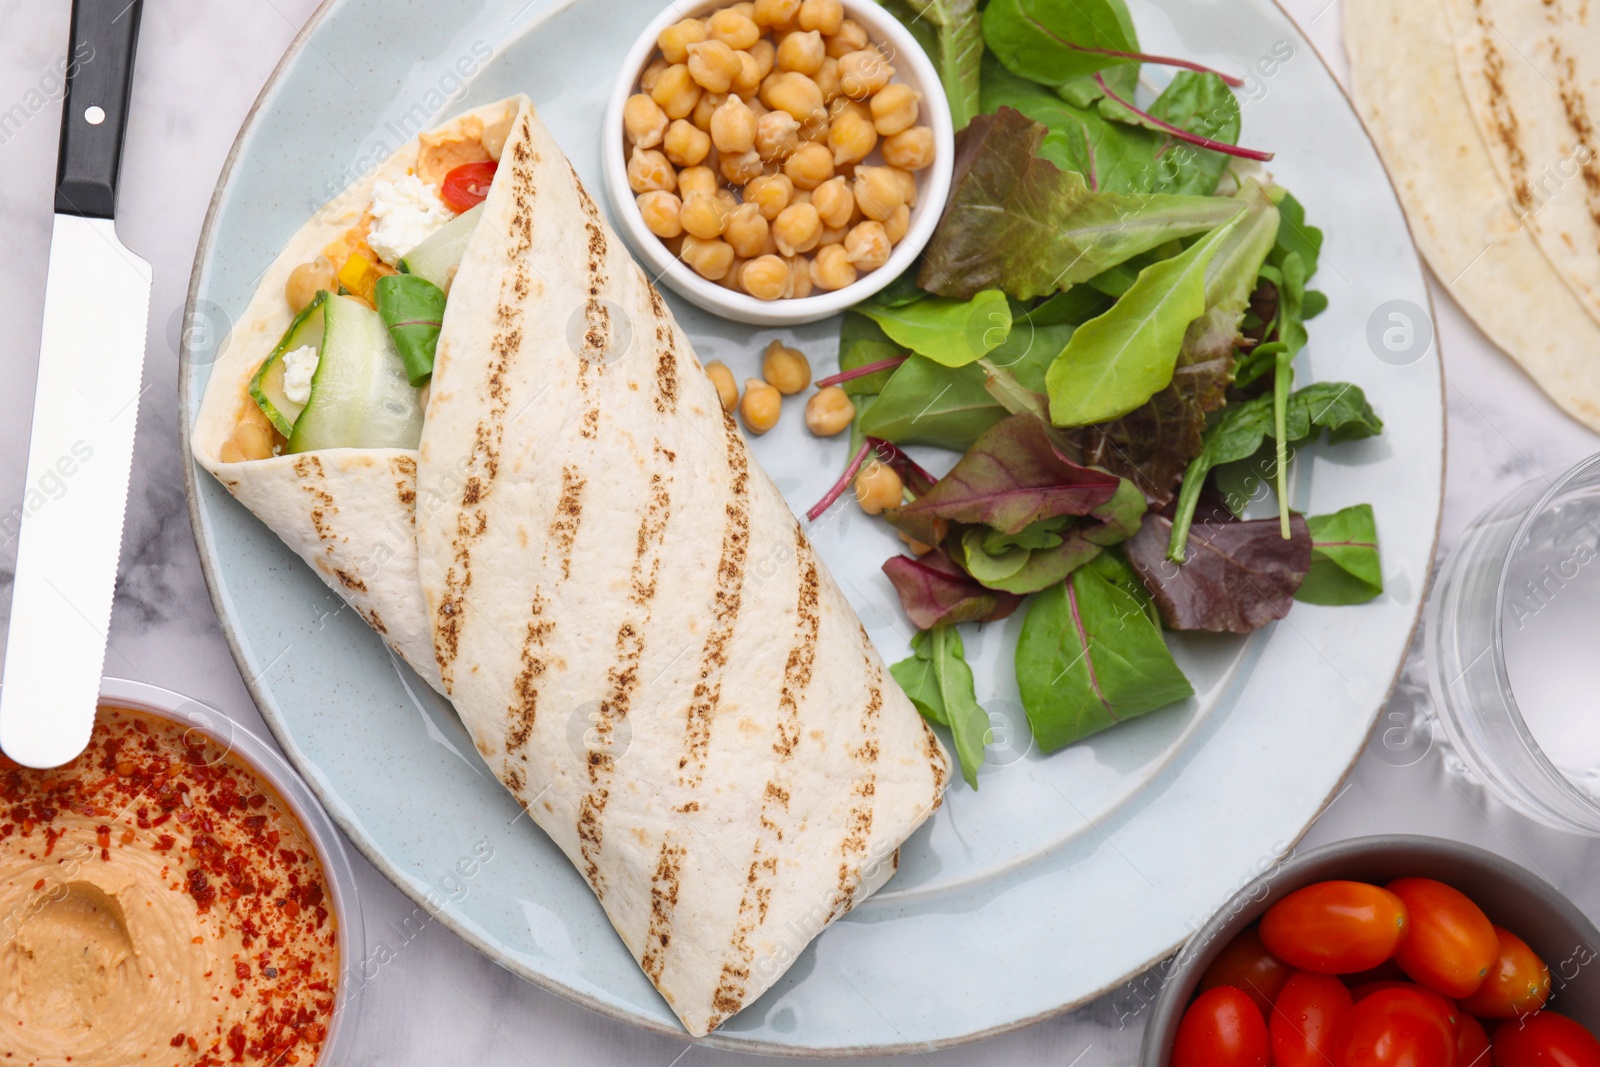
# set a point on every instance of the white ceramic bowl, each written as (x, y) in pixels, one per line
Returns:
(912, 67)
(339, 1047)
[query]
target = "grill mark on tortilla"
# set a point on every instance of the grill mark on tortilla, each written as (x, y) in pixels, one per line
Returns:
(1504, 117)
(569, 514)
(757, 895)
(666, 354)
(309, 468)
(349, 581)
(1577, 112)
(623, 679)
(858, 825)
(725, 611)
(484, 458)
(405, 470)
(375, 620)
(664, 884)
(523, 712)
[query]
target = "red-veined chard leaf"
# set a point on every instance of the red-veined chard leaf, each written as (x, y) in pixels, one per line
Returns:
(1089, 657)
(934, 591)
(1022, 224)
(1054, 41)
(412, 309)
(1345, 568)
(951, 33)
(953, 333)
(924, 403)
(939, 682)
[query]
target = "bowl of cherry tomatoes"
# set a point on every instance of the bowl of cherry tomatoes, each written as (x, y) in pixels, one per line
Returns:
(1389, 951)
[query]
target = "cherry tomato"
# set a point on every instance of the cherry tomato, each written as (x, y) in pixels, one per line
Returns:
(1246, 964)
(1306, 1018)
(1451, 943)
(1472, 1042)
(1518, 981)
(467, 186)
(1545, 1040)
(1397, 1028)
(1222, 1028)
(1445, 1005)
(1387, 971)
(1335, 927)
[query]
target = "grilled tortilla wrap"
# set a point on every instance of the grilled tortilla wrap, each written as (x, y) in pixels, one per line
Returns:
(1406, 86)
(631, 623)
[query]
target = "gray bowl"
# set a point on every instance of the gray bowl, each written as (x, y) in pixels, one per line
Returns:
(1512, 897)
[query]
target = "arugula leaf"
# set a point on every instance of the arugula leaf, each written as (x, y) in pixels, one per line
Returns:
(412, 309)
(1012, 477)
(951, 332)
(1345, 568)
(934, 591)
(925, 403)
(1117, 362)
(1089, 657)
(1054, 41)
(1241, 428)
(939, 682)
(1022, 224)
(951, 32)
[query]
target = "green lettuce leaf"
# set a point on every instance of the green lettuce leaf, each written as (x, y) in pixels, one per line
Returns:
(1054, 42)
(950, 332)
(951, 33)
(939, 682)
(412, 309)
(1345, 568)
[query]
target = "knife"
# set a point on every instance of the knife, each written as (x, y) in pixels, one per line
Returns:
(85, 407)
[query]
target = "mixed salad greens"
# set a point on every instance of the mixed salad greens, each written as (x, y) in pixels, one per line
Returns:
(1104, 326)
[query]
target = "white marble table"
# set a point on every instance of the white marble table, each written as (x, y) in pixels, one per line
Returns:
(201, 64)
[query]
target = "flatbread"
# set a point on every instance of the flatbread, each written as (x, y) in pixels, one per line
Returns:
(631, 623)
(1406, 87)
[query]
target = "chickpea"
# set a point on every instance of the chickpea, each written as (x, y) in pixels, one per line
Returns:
(701, 179)
(730, 199)
(685, 145)
(793, 92)
(730, 280)
(775, 12)
(809, 166)
(705, 107)
(760, 407)
(878, 487)
(765, 278)
(863, 72)
(228, 452)
(643, 121)
(662, 213)
(765, 54)
(827, 79)
(831, 268)
(867, 246)
(800, 196)
(799, 279)
(910, 149)
(796, 229)
(801, 52)
(899, 224)
(917, 547)
(834, 202)
(746, 8)
(252, 439)
(674, 41)
(824, 15)
(676, 91)
(704, 217)
(786, 369)
(770, 192)
(742, 168)
(908, 185)
(727, 388)
(829, 412)
(878, 193)
(306, 280)
(832, 235)
(713, 65)
(652, 74)
(747, 231)
(850, 37)
(852, 136)
(709, 259)
(895, 109)
(777, 135)
(733, 127)
(649, 171)
(734, 29)
(748, 80)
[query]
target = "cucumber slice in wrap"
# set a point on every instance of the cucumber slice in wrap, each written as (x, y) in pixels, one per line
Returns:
(267, 385)
(360, 395)
(438, 256)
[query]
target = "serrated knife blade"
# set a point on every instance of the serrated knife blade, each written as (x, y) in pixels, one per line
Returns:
(85, 409)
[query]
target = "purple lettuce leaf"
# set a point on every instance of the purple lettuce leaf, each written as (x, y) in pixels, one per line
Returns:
(934, 591)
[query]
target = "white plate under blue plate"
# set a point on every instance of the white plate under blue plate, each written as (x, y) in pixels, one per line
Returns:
(1061, 877)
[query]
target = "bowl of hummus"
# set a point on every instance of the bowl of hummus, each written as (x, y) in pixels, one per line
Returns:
(173, 896)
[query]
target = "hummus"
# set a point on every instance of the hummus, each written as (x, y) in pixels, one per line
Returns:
(159, 904)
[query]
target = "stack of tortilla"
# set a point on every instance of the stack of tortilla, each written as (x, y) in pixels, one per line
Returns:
(613, 595)
(1481, 110)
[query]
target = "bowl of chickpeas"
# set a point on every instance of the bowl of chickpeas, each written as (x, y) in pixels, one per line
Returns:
(777, 161)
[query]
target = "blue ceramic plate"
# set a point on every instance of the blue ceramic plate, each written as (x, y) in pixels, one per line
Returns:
(1065, 874)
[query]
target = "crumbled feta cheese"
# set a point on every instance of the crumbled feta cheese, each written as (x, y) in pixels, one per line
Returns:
(404, 213)
(298, 368)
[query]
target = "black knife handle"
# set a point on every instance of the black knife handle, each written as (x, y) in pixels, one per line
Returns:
(94, 116)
